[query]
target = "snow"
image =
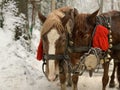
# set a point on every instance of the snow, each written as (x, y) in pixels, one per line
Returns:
(19, 69)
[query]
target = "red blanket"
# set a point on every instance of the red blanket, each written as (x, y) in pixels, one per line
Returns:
(100, 39)
(40, 51)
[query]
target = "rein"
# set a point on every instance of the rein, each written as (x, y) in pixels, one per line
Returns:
(78, 49)
(54, 57)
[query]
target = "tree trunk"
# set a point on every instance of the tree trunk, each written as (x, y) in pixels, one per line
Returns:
(119, 5)
(112, 4)
(53, 5)
(101, 6)
(22, 6)
(1, 14)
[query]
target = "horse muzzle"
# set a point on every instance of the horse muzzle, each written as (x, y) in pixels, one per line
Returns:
(52, 78)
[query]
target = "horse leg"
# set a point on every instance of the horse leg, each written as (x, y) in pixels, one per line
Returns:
(105, 78)
(118, 73)
(75, 78)
(112, 82)
(62, 77)
(69, 81)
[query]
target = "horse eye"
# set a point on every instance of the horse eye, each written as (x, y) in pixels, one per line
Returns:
(45, 38)
(64, 40)
(86, 36)
(86, 30)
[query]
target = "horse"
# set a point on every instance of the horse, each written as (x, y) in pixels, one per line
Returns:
(56, 27)
(82, 36)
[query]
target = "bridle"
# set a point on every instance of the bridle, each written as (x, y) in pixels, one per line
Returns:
(59, 57)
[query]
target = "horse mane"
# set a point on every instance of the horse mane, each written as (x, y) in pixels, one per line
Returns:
(54, 20)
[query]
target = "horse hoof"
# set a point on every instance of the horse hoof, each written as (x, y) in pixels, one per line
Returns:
(112, 85)
(69, 85)
(58, 84)
(90, 73)
(118, 88)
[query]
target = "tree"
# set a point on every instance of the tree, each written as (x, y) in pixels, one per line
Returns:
(100, 3)
(53, 5)
(119, 5)
(112, 4)
(1, 14)
(23, 32)
(22, 8)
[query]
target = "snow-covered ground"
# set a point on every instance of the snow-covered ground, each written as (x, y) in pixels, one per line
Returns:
(19, 69)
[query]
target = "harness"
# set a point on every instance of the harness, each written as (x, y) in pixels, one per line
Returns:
(53, 57)
(98, 53)
(93, 52)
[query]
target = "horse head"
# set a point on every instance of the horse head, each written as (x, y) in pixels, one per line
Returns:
(54, 36)
(84, 26)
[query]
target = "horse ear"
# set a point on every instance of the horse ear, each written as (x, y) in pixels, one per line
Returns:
(75, 12)
(41, 17)
(65, 19)
(92, 18)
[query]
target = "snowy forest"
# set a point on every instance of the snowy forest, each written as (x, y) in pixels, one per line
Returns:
(19, 38)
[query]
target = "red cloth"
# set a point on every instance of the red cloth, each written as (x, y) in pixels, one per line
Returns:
(100, 39)
(40, 51)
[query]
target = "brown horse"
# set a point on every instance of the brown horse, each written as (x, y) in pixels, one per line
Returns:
(56, 27)
(82, 37)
